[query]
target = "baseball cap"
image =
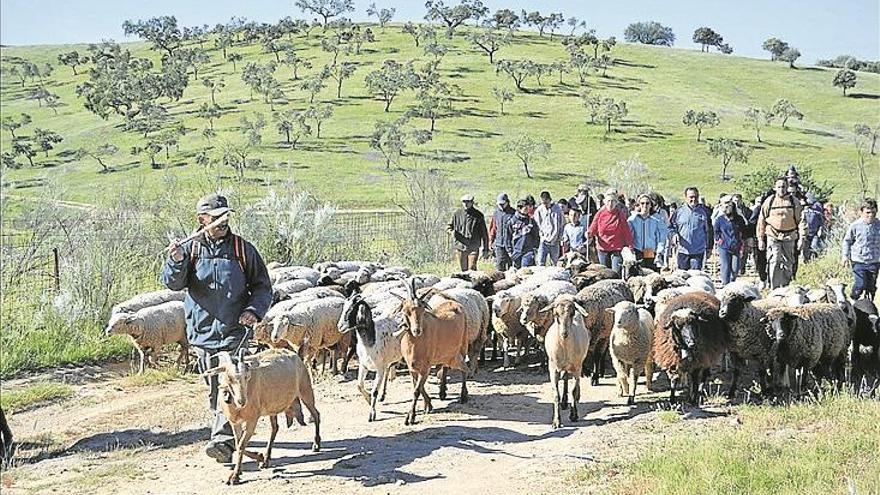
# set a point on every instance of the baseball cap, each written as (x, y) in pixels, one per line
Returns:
(583, 187)
(213, 204)
(502, 198)
(610, 192)
(467, 197)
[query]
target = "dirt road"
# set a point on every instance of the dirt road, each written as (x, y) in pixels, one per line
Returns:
(114, 438)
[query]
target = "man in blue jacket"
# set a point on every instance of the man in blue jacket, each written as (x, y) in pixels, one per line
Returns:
(228, 289)
(691, 230)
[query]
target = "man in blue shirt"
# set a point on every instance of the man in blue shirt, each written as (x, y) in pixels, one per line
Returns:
(861, 250)
(228, 289)
(691, 230)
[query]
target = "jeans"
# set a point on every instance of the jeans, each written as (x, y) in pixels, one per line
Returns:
(502, 259)
(467, 260)
(523, 259)
(729, 265)
(807, 249)
(781, 260)
(611, 259)
(548, 250)
(865, 275)
(690, 261)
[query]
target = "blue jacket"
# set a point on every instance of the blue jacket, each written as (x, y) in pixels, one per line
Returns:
(728, 233)
(693, 227)
(815, 219)
(524, 235)
(648, 232)
(219, 291)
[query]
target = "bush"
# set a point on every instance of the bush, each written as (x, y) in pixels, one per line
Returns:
(426, 203)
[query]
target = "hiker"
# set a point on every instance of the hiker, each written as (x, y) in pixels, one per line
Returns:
(468, 227)
(780, 231)
(573, 235)
(524, 236)
(648, 232)
(691, 230)
(611, 231)
(814, 216)
(550, 222)
(228, 289)
(861, 250)
(728, 229)
(584, 203)
(499, 235)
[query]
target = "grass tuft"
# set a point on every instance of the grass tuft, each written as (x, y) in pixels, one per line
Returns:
(18, 400)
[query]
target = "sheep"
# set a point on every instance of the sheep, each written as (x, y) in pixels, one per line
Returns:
(591, 275)
(506, 309)
(742, 309)
(432, 336)
(836, 290)
(476, 313)
(283, 289)
(657, 303)
(689, 338)
(866, 343)
(151, 328)
(6, 440)
(148, 299)
(447, 283)
(263, 328)
(532, 302)
(312, 326)
(596, 299)
(266, 384)
(566, 344)
(378, 348)
(293, 273)
(630, 345)
(702, 283)
(791, 295)
(813, 337)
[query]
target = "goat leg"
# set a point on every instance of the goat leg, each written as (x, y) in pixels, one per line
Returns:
(374, 394)
(241, 442)
(633, 383)
(389, 375)
(362, 377)
(463, 398)
(307, 397)
(442, 382)
(564, 405)
(273, 420)
(419, 380)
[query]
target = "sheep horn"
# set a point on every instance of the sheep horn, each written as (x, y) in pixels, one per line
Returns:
(241, 364)
(412, 288)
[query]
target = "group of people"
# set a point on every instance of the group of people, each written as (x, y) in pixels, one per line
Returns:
(782, 228)
(228, 286)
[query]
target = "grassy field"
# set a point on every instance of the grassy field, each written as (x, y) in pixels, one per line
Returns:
(658, 85)
(827, 445)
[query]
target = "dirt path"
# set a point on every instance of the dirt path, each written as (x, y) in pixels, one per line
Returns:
(111, 438)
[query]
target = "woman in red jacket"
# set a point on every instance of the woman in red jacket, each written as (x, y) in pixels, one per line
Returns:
(611, 231)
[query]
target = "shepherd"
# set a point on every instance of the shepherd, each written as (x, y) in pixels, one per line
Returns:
(228, 289)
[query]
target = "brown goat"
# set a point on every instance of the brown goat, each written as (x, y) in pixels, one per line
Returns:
(432, 336)
(272, 382)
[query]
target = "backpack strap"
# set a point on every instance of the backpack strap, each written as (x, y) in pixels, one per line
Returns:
(240, 250)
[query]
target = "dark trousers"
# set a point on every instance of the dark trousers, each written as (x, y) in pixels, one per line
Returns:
(807, 249)
(523, 259)
(220, 427)
(690, 261)
(502, 259)
(865, 275)
(761, 263)
(729, 261)
(467, 260)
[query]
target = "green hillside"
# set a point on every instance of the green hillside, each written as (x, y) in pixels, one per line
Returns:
(658, 85)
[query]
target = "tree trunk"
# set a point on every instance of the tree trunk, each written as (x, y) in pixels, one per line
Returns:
(699, 134)
(607, 126)
(12, 131)
(213, 102)
(784, 120)
(167, 156)
(277, 60)
(526, 166)
(387, 104)
(339, 88)
(433, 119)
(101, 163)
(287, 133)
(758, 135)
(318, 128)
(153, 161)
(491, 57)
(30, 160)
(224, 52)
(74, 70)
(502, 108)
(873, 143)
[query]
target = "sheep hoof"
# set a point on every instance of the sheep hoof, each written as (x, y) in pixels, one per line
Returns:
(573, 416)
(557, 425)
(316, 447)
(372, 417)
(233, 479)
(443, 395)
(594, 381)
(264, 464)
(463, 399)
(631, 401)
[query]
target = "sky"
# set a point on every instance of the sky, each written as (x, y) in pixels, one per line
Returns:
(819, 29)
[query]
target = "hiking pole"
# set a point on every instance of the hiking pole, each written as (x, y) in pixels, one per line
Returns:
(222, 218)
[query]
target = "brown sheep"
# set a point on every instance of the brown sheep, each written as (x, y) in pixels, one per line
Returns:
(595, 299)
(689, 338)
(432, 336)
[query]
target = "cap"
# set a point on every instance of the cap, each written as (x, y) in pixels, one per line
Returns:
(213, 204)
(727, 198)
(583, 187)
(467, 197)
(521, 203)
(610, 192)
(502, 198)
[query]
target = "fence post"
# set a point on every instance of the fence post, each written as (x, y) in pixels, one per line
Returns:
(56, 271)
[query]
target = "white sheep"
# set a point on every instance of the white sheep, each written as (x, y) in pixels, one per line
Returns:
(263, 328)
(294, 272)
(702, 283)
(312, 326)
(567, 342)
(631, 339)
(288, 287)
(148, 299)
(151, 328)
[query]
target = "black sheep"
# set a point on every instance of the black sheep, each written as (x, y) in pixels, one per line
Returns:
(866, 343)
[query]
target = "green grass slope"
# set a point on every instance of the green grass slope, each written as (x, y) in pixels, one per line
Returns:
(658, 84)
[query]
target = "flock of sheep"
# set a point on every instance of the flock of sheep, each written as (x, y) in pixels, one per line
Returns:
(576, 316)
